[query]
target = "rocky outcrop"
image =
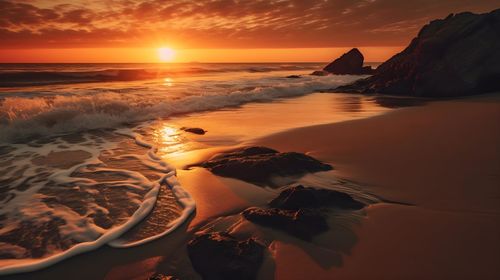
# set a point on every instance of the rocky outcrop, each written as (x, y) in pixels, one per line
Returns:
(301, 211)
(221, 256)
(259, 165)
(454, 56)
(350, 63)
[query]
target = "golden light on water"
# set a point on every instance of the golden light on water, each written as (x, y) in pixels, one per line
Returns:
(166, 54)
(169, 132)
(169, 140)
(167, 82)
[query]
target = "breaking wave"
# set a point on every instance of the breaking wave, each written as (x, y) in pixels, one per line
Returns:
(25, 115)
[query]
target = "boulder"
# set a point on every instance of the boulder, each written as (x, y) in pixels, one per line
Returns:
(259, 165)
(299, 197)
(299, 210)
(455, 56)
(349, 63)
(221, 256)
(302, 223)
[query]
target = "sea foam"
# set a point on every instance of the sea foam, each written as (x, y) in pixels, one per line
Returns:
(28, 114)
(34, 205)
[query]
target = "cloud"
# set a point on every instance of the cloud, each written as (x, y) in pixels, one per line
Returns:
(221, 23)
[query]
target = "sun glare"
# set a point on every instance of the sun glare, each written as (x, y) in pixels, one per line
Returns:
(166, 54)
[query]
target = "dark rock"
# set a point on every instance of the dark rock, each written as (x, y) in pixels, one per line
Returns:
(293, 77)
(259, 164)
(299, 210)
(454, 56)
(298, 197)
(194, 130)
(320, 73)
(302, 223)
(221, 256)
(349, 63)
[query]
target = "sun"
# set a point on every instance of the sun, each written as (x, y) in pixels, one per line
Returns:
(166, 54)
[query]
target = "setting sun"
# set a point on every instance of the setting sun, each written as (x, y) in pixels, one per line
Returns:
(166, 54)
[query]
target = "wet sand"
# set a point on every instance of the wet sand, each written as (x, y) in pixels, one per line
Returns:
(443, 158)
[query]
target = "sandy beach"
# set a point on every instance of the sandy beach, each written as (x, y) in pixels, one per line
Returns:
(435, 165)
(443, 159)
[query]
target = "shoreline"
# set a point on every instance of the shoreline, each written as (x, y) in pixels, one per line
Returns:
(343, 145)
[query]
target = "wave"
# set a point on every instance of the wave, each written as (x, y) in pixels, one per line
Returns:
(24, 78)
(25, 118)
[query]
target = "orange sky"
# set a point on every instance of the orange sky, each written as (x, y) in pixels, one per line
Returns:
(117, 55)
(214, 30)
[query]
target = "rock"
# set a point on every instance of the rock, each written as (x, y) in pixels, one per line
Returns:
(293, 77)
(160, 276)
(299, 210)
(194, 130)
(259, 164)
(349, 63)
(299, 197)
(320, 73)
(221, 256)
(454, 56)
(302, 223)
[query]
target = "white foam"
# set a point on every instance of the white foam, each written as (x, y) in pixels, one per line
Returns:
(77, 227)
(32, 265)
(169, 180)
(89, 108)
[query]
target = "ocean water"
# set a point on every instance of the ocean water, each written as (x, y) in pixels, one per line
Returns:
(79, 166)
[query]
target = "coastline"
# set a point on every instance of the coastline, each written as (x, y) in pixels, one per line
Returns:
(392, 173)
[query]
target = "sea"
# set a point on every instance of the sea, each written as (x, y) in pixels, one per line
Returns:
(79, 152)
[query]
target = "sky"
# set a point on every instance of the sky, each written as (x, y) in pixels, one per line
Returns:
(214, 30)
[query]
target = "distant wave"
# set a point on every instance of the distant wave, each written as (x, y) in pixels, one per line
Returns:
(34, 78)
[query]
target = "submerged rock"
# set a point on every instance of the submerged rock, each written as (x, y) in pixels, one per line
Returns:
(293, 77)
(194, 130)
(302, 223)
(298, 197)
(349, 63)
(219, 255)
(454, 56)
(259, 164)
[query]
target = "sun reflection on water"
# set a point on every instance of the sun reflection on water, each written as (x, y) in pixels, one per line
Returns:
(168, 82)
(169, 140)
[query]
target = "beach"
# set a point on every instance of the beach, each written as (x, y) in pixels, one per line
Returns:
(432, 169)
(443, 159)
(221, 140)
